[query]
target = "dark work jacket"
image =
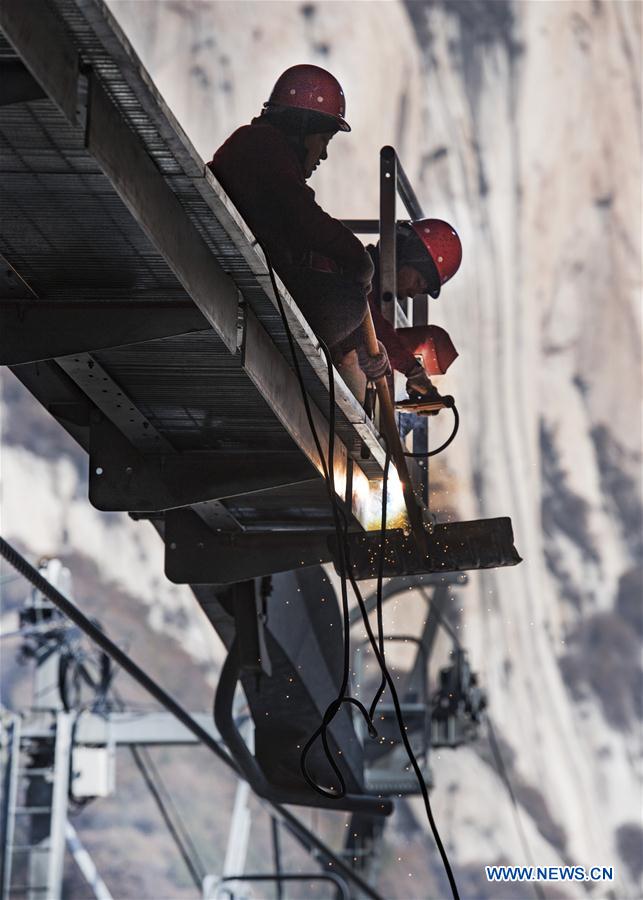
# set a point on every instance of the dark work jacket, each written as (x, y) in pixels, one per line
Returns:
(260, 171)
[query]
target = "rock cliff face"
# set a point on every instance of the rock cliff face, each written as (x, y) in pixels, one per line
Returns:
(520, 123)
(532, 124)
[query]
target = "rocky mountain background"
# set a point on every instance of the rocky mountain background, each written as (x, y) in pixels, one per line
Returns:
(519, 122)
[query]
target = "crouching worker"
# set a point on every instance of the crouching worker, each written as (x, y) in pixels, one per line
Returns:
(428, 253)
(263, 167)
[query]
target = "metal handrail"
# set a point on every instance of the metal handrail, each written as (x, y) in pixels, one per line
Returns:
(403, 185)
(393, 181)
(366, 226)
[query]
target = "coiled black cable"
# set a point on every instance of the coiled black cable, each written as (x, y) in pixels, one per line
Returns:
(456, 425)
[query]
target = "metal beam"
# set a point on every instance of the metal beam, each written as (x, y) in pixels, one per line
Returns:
(112, 401)
(17, 85)
(123, 479)
(108, 396)
(150, 199)
(387, 245)
(194, 554)
(452, 547)
(59, 396)
(437, 605)
(406, 583)
(40, 39)
(35, 330)
(142, 729)
(86, 864)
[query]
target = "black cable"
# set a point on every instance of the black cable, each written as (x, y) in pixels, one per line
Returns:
(504, 777)
(425, 454)
(344, 556)
(329, 479)
(403, 734)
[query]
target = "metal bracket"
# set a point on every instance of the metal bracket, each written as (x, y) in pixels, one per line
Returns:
(452, 547)
(31, 331)
(194, 554)
(254, 658)
(122, 479)
(112, 400)
(46, 49)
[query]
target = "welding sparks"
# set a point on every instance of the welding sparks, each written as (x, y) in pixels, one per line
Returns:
(367, 501)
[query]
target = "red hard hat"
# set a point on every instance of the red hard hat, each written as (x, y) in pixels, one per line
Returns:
(312, 88)
(443, 246)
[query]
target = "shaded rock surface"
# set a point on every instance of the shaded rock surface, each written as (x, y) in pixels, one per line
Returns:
(520, 123)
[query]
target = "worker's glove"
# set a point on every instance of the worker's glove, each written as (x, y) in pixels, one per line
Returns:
(373, 367)
(418, 382)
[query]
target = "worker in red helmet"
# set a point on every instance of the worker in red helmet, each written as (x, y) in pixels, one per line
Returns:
(263, 167)
(428, 253)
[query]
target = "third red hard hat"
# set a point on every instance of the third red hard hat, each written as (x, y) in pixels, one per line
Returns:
(443, 246)
(312, 88)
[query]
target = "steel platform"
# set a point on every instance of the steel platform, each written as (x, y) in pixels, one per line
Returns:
(138, 309)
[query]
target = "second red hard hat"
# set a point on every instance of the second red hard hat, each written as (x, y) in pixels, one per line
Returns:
(443, 246)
